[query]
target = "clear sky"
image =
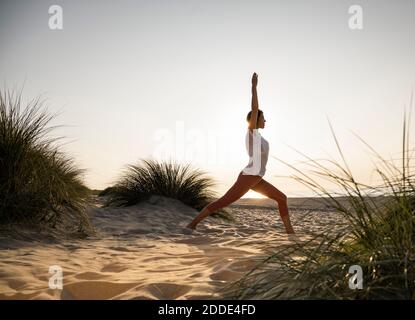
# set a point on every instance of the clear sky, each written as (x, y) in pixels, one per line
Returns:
(140, 79)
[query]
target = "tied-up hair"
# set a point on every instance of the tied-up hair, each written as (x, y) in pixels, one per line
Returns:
(249, 115)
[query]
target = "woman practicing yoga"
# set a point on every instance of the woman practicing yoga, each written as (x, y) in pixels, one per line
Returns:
(251, 175)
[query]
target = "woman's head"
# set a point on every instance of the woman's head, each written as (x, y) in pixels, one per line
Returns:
(260, 123)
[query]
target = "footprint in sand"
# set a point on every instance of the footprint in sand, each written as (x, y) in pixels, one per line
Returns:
(168, 291)
(114, 267)
(90, 276)
(242, 265)
(225, 275)
(122, 249)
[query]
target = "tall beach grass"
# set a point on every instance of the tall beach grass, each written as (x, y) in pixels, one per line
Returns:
(379, 237)
(39, 184)
(150, 177)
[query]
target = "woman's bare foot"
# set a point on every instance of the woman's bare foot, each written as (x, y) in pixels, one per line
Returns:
(191, 226)
(287, 224)
(289, 229)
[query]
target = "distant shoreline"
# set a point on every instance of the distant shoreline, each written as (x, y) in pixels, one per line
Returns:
(311, 203)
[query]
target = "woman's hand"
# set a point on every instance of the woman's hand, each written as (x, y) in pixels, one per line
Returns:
(254, 80)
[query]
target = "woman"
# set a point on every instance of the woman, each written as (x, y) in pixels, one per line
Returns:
(251, 175)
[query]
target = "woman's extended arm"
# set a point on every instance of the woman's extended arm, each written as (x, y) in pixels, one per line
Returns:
(254, 103)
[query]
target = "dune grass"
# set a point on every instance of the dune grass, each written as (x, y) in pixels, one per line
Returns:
(39, 185)
(168, 179)
(379, 237)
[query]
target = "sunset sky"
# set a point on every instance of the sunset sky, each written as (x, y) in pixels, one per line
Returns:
(171, 79)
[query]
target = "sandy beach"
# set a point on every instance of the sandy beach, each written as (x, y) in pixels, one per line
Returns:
(145, 251)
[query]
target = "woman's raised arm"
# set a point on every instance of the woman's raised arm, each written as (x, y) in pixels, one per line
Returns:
(254, 103)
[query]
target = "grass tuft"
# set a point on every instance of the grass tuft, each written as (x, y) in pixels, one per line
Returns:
(39, 185)
(169, 179)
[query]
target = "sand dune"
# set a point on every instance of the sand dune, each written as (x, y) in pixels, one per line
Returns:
(146, 252)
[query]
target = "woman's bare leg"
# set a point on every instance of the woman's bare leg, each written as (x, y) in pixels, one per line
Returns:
(240, 187)
(265, 188)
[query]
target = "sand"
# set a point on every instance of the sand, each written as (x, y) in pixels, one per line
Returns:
(146, 252)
